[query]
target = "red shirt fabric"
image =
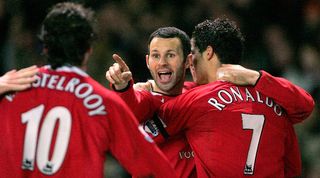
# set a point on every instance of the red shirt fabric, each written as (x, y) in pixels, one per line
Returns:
(144, 105)
(187, 85)
(238, 131)
(64, 125)
(297, 102)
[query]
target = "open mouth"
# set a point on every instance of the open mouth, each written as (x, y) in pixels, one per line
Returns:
(165, 77)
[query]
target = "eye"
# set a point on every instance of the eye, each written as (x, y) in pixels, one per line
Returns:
(171, 55)
(155, 56)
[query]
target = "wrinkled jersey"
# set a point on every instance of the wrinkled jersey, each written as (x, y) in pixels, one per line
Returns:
(144, 105)
(239, 131)
(64, 125)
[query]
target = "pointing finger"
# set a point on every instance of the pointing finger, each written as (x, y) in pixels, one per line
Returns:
(121, 62)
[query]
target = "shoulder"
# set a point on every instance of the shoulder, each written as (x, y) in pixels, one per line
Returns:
(202, 92)
(187, 85)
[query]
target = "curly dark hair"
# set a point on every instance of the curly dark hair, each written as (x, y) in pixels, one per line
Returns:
(173, 32)
(67, 33)
(223, 36)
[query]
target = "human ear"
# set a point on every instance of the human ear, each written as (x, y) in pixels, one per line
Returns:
(188, 62)
(209, 52)
(147, 60)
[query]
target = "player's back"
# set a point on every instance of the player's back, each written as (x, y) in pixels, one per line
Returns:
(56, 128)
(246, 133)
(234, 131)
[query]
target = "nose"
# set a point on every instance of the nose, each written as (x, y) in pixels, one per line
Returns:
(163, 61)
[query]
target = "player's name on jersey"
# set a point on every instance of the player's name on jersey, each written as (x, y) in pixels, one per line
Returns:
(93, 102)
(234, 94)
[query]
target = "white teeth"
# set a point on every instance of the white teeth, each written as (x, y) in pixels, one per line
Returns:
(164, 73)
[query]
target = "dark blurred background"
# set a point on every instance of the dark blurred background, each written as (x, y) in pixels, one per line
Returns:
(282, 37)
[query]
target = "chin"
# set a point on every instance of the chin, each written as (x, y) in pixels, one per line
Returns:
(166, 88)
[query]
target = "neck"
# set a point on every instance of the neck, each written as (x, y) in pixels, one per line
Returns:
(212, 73)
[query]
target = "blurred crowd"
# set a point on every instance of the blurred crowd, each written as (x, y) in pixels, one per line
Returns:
(282, 37)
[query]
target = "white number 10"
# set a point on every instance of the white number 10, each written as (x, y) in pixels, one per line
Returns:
(39, 149)
(254, 122)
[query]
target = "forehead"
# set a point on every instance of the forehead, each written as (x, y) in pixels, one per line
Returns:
(165, 44)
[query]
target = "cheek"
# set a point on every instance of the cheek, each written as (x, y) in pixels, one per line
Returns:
(198, 68)
(194, 62)
(177, 66)
(152, 65)
(195, 65)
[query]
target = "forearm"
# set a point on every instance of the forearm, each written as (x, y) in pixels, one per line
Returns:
(297, 103)
(140, 102)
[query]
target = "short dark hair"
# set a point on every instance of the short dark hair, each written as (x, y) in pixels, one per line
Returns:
(173, 32)
(223, 36)
(67, 33)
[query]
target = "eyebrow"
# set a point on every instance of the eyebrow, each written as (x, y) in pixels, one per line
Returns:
(170, 50)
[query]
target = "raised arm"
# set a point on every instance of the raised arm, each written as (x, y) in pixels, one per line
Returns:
(297, 103)
(119, 73)
(141, 102)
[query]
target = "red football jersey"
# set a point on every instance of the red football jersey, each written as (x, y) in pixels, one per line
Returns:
(187, 85)
(64, 125)
(297, 103)
(144, 104)
(238, 131)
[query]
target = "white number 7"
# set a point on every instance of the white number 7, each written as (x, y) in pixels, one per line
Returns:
(255, 123)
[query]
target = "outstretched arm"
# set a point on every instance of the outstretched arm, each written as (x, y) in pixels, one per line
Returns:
(18, 80)
(237, 74)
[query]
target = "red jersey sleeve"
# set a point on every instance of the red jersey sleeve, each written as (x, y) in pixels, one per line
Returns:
(135, 151)
(141, 102)
(297, 103)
